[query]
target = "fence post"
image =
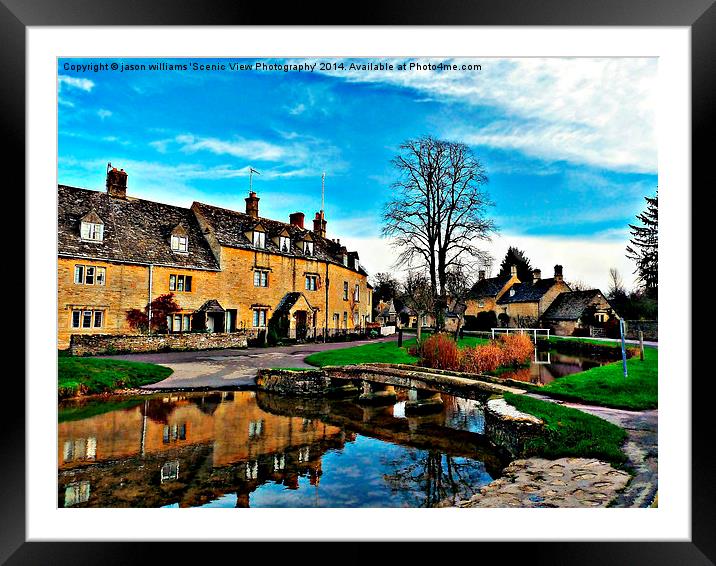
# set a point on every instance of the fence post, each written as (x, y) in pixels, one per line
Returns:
(621, 331)
(400, 337)
(641, 345)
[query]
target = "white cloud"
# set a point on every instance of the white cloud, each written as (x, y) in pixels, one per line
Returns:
(104, 113)
(74, 82)
(598, 112)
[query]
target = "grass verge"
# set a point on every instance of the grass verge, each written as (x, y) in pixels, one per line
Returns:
(569, 432)
(378, 352)
(607, 386)
(87, 376)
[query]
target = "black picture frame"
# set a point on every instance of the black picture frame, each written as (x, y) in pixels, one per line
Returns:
(699, 15)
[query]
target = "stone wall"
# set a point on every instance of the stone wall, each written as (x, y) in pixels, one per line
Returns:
(509, 428)
(94, 344)
(287, 382)
(649, 327)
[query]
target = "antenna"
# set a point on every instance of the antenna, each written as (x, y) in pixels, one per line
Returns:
(323, 191)
(251, 178)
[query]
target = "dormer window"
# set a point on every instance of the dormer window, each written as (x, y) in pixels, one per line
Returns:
(180, 243)
(259, 239)
(308, 248)
(512, 292)
(92, 227)
(356, 265)
(345, 260)
(284, 244)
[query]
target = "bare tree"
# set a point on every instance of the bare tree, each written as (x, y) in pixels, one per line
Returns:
(418, 296)
(439, 211)
(578, 285)
(459, 281)
(616, 284)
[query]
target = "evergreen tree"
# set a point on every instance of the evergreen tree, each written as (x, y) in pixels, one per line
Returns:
(518, 258)
(644, 246)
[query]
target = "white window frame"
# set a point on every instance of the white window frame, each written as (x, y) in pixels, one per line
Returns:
(311, 282)
(82, 314)
(259, 239)
(180, 244)
(356, 293)
(284, 242)
(98, 274)
(259, 317)
(261, 277)
(92, 232)
(308, 248)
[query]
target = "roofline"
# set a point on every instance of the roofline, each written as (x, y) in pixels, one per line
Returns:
(148, 264)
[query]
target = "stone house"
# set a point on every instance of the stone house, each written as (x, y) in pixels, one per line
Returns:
(569, 310)
(386, 313)
(228, 270)
(524, 303)
(485, 293)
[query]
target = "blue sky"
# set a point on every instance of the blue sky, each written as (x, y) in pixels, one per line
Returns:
(569, 145)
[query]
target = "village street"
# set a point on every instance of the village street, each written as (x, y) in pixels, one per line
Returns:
(232, 367)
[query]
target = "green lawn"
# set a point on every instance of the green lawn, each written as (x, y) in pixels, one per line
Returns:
(570, 432)
(86, 376)
(606, 385)
(378, 352)
(91, 408)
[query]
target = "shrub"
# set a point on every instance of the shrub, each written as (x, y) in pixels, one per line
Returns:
(439, 351)
(479, 359)
(516, 349)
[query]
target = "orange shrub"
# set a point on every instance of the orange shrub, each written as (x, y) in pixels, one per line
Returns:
(516, 349)
(440, 352)
(481, 358)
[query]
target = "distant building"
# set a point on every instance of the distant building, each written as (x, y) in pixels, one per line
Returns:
(229, 271)
(575, 310)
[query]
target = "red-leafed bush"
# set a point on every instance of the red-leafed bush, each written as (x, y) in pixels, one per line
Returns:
(481, 358)
(517, 349)
(440, 352)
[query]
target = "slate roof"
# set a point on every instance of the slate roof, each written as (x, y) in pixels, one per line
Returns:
(527, 292)
(571, 306)
(489, 287)
(230, 228)
(212, 305)
(286, 303)
(135, 230)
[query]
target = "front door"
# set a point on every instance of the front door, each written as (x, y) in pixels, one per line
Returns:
(301, 325)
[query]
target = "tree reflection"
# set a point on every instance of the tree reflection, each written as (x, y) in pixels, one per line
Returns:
(432, 477)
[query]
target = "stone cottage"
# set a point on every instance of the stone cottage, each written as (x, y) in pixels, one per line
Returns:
(229, 271)
(569, 311)
(524, 303)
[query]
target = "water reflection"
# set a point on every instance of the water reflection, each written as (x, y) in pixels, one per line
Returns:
(255, 449)
(550, 365)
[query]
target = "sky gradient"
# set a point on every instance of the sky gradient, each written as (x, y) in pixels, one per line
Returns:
(568, 144)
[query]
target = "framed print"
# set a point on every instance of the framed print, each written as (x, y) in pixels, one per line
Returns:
(393, 281)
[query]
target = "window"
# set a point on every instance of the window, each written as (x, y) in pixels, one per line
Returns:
(284, 244)
(87, 318)
(481, 303)
(356, 320)
(336, 320)
(256, 428)
(345, 260)
(89, 275)
(260, 278)
(308, 248)
(345, 290)
(345, 319)
(170, 471)
(259, 318)
(356, 265)
(180, 283)
(180, 243)
(259, 239)
(311, 282)
(356, 293)
(185, 323)
(92, 231)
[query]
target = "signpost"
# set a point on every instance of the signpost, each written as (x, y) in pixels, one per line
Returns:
(621, 331)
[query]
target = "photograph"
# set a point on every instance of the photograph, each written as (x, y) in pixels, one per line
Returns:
(357, 282)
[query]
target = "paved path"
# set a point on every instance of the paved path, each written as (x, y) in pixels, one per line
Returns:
(231, 367)
(641, 449)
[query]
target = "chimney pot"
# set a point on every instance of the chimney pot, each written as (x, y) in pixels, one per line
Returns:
(513, 270)
(117, 183)
(252, 205)
(558, 272)
(536, 275)
(319, 224)
(296, 219)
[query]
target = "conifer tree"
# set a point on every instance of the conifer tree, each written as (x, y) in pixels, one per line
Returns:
(516, 257)
(644, 246)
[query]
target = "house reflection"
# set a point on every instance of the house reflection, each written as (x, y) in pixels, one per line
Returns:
(187, 449)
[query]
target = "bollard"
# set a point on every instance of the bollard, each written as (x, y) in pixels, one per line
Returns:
(641, 345)
(400, 337)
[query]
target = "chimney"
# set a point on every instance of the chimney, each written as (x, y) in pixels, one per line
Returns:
(536, 275)
(319, 224)
(558, 273)
(296, 219)
(481, 275)
(513, 270)
(252, 205)
(116, 183)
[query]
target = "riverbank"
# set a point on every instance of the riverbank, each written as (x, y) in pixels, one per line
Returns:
(91, 376)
